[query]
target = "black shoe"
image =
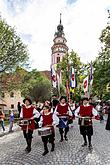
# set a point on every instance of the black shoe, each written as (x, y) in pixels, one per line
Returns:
(90, 146)
(61, 140)
(66, 138)
(45, 152)
(83, 145)
(53, 146)
(28, 150)
(52, 149)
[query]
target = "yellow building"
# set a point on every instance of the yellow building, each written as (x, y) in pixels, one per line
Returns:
(9, 100)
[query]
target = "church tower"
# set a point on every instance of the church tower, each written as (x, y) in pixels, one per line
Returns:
(59, 48)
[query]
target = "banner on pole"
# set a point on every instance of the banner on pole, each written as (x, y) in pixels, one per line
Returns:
(53, 76)
(72, 78)
(85, 84)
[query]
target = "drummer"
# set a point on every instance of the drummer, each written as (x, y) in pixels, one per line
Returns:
(48, 119)
(63, 111)
(28, 112)
(88, 111)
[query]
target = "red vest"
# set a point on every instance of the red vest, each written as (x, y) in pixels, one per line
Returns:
(86, 111)
(62, 109)
(47, 119)
(27, 114)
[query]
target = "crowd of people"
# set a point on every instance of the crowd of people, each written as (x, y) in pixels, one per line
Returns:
(45, 117)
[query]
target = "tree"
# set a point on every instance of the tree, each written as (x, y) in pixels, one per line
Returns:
(102, 65)
(36, 86)
(12, 51)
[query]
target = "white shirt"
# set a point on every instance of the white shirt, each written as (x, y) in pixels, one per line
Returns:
(36, 114)
(94, 111)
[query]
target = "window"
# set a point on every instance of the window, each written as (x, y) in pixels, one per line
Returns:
(58, 59)
(12, 106)
(12, 94)
(2, 95)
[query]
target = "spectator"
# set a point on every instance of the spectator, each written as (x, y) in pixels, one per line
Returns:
(2, 116)
(11, 120)
(19, 109)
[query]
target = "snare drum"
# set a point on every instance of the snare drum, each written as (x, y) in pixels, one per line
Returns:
(44, 131)
(23, 122)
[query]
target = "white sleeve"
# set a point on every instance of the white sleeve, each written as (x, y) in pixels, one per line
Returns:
(94, 112)
(36, 114)
(77, 111)
(55, 119)
(51, 110)
(55, 112)
(40, 122)
(69, 111)
(21, 113)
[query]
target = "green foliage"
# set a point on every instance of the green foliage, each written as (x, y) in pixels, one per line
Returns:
(12, 51)
(36, 86)
(102, 65)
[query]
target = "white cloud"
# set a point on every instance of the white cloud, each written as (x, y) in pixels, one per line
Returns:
(82, 20)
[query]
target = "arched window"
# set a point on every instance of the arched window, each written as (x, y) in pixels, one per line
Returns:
(58, 59)
(12, 106)
(12, 94)
(2, 94)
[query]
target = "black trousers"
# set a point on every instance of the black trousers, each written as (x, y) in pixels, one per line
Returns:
(86, 130)
(48, 138)
(62, 130)
(28, 135)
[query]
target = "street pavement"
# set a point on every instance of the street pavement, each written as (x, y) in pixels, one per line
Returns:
(67, 152)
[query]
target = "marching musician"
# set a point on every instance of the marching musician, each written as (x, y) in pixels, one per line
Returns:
(48, 119)
(85, 112)
(63, 111)
(29, 113)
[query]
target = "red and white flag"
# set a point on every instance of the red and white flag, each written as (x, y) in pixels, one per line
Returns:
(72, 78)
(53, 76)
(85, 84)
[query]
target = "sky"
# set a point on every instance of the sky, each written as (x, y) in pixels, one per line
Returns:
(36, 22)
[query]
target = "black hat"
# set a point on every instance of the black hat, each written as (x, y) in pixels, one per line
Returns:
(28, 100)
(63, 97)
(85, 98)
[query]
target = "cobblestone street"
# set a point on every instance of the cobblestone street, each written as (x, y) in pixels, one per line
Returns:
(66, 152)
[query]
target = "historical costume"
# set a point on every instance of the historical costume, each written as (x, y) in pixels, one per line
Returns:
(63, 111)
(47, 121)
(85, 112)
(27, 115)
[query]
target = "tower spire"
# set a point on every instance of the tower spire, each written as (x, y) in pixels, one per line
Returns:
(60, 18)
(108, 17)
(109, 13)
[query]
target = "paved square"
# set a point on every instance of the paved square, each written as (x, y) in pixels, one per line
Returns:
(66, 152)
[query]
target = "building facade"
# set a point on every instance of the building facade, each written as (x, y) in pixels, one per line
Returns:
(9, 100)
